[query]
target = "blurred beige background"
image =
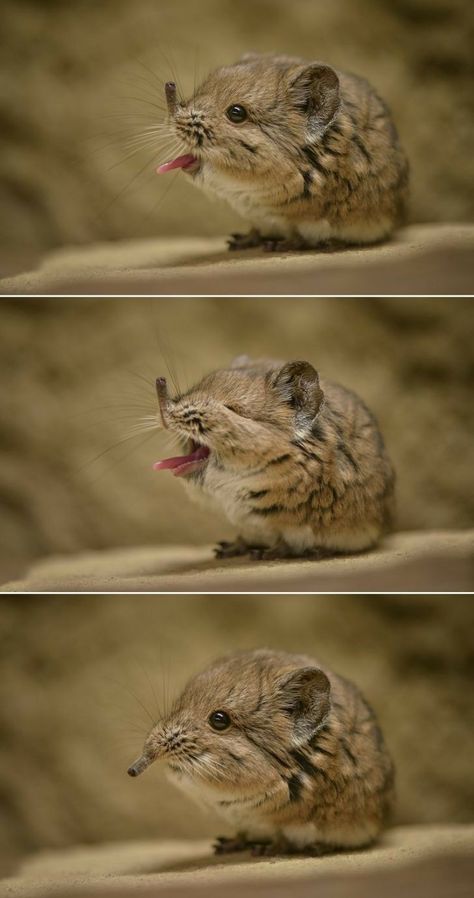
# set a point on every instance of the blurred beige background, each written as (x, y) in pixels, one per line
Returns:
(81, 78)
(78, 374)
(79, 676)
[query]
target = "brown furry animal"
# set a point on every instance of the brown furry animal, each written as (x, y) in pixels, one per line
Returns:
(297, 464)
(288, 752)
(306, 154)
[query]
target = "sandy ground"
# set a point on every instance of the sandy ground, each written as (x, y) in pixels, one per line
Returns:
(420, 259)
(412, 561)
(175, 868)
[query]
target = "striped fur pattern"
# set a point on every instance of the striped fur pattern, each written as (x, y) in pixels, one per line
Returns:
(303, 765)
(317, 159)
(298, 465)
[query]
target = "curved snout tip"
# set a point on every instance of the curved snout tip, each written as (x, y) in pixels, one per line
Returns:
(139, 766)
(162, 394)
(171, 96)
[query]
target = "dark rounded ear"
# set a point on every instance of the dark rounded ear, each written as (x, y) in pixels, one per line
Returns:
(306, 696)
(298, 384)
(315, 90)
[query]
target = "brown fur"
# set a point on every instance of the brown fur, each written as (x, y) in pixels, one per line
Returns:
(317, 159)
(297, 464)
(303, 765)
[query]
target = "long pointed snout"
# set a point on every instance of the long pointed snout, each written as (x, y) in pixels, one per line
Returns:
(171, 99)
(162, 393)
(140, 765)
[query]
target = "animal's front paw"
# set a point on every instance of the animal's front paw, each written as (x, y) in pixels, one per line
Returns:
(281, 551)
(223, 845)
(263, 553)
(285, 245)
(240, 548)
(281, 847)
(231, 550)
(278, 848)
(245, 241)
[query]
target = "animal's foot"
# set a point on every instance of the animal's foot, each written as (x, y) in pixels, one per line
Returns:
(245, 241)
(299, 244)
(273, 553)
(285, 245)
(278, 848)
(223, 845)
(266, 849)
(330, 246)
(281, 847)
(231, 550)
(318, 849)
(280, 551)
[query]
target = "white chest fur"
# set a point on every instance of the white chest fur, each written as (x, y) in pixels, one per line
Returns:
(236, 811)
(247, 200)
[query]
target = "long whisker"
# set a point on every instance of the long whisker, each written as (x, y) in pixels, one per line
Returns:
(137, 146)
(142, 100)
(129, 184)
(145, 380)
(159, 202)
(172, 69)
(150, 90)
(105, 451)
(168, 362)
(159, 80)
(147, 712)
(152, 133)
(125, 455)
(138, 429)
(126, 158)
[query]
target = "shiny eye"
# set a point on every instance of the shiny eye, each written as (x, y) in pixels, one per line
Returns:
(236, 114)
(219, 720)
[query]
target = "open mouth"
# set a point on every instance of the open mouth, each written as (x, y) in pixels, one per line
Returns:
(187, 163)
(181, 465)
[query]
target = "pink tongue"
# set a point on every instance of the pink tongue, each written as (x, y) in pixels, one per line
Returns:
(179, 162)
(182, 464)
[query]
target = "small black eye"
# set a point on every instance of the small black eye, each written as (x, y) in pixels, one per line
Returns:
(236, 114)
(219, 720)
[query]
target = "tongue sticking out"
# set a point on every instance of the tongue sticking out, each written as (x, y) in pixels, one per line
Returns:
(183, 162)
(183, 464)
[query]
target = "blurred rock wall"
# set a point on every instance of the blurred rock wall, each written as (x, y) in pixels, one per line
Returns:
(77, 375)
(81, 79)
(80, 677)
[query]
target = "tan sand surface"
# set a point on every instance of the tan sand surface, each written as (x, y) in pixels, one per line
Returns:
(152, 867)
(410, 561)
(419, 259)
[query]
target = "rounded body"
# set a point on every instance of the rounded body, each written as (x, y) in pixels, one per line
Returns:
(295, 762)
(315, 157)
(298, 465)
(338, 788)
(328, 488)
